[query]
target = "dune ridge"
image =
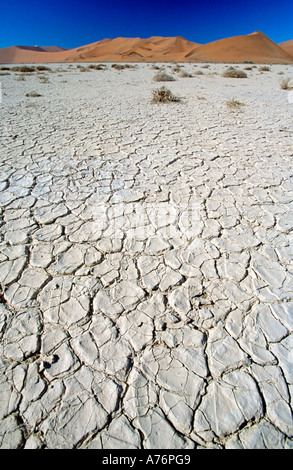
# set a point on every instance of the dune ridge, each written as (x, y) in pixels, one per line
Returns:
(287, 46)
(255, 47)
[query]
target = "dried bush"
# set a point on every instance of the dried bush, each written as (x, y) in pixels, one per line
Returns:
(163, 95)
(185, 74)
(33, 94)
(231, 72)
(163, 77)
(97, 67)
(284, 85)
(23, 68)
(43, 79)
(265, 68)
(234, 104)
(43, 68)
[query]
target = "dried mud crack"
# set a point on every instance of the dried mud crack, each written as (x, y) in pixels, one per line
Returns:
(146, 262)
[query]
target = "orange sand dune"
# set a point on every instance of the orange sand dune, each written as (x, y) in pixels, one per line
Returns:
(155, 48)
(27, 55)
(255, 47)
(119, 49)
(287, 46)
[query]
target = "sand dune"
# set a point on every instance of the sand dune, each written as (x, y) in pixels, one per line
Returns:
(155, 48)
(256, 47)
(287, 46)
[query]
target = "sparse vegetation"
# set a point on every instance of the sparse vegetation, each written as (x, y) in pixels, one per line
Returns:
(21, 77)
(23, 69)
(176, 69)
(122, 66)
(33, 94)
(231, 72)
(163, 95)
(285, 84)
(43, 68)
(265, 68)
(184, 74)
(97, 67)
(43, 79)
(163, 77)
(234, 104)
(198, 72)
(82, 68)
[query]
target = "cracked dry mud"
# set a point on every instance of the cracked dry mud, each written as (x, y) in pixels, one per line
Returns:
(146, 261)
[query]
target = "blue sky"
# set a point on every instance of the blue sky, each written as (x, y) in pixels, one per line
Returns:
(75, 23)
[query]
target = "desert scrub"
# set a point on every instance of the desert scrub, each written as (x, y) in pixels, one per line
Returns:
(97, 67)
(43, 79)
(163, 77)
(184, 74)
(285, 84)
(21, 77)
(265, 68)
(234, 104)
(43, 68)
(23, 69)
(231, 72)
(121, 67)
(82, 68)
(163, 95)
(33, 94)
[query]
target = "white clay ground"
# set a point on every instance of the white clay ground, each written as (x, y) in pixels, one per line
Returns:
(146, 260)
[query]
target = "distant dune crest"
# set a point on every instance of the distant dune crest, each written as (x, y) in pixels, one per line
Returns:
(255, 47)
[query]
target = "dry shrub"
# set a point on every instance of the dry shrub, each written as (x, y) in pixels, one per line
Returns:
(43, 79)
(231, 72)
(163, 77)
(33, 94)
(234, 104)
(122, 66)
(185, 74)
(23, 69)
(97, 67)
(163, 95)
(285, 84)
(43, 68)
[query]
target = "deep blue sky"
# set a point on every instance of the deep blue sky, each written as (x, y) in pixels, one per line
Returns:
(75, 23)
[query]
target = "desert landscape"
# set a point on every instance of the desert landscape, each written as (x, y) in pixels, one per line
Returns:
(146, 245)
(255, 47)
